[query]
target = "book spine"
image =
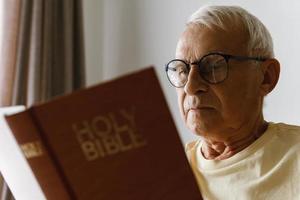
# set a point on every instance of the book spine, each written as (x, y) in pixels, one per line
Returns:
(38, 156)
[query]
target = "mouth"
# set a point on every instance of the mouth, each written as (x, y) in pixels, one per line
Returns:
(200, 108)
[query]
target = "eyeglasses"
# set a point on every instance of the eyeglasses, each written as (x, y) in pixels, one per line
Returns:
(213, 68)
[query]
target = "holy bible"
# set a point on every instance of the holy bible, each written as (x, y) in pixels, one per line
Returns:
(116, 140)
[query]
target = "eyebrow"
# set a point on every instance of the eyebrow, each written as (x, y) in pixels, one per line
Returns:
(208, 52)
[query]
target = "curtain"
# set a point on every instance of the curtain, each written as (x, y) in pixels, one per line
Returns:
(42, 52)
(115, 38)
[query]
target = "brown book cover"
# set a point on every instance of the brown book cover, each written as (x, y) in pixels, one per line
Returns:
(116, 140)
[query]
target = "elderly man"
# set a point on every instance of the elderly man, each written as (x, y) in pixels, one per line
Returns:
(224, 68)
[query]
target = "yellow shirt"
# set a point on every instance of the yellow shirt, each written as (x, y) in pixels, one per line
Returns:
(268, 169)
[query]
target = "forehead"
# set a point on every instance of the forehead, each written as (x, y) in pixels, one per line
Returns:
(197, 41)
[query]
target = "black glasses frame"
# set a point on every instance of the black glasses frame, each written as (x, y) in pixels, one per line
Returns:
(227, 57)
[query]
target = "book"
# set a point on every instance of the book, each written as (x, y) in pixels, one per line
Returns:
(13, 165)
(116, 140)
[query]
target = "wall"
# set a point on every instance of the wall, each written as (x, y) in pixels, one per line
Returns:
(123, 35)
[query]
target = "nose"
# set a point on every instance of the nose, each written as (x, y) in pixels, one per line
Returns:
(195, 82)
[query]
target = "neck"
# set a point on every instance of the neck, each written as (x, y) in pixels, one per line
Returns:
(220, 150)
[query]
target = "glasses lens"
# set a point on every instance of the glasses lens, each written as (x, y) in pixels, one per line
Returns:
(213, 68)
(177, 73)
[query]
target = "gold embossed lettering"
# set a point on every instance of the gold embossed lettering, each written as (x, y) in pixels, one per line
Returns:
(89, 150)
(108, 134)
(32, 149)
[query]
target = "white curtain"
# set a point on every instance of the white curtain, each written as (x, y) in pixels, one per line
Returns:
(112, 38)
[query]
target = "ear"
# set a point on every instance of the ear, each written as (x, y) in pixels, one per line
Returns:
(271, 70)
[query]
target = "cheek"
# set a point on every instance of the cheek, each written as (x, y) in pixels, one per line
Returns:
(231, 101)
(193, 121)
(238, 102)
(180, 100)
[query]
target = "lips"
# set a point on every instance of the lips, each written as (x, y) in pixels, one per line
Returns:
(199, 108)
(195, 103)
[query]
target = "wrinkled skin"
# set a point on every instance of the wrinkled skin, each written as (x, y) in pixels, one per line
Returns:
(227, 115)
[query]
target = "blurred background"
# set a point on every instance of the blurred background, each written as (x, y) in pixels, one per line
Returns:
(121, 36)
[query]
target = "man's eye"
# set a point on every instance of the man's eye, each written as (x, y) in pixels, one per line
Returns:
(182, 71)
(206, 68)
(216, 66)
(219, 63)
(212, 66)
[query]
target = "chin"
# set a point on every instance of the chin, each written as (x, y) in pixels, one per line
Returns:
(203, 120)
(206, 129)
(211, 132)
(199, 128)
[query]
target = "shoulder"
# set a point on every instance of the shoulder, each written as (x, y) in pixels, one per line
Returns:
(190, 145)
(286, 134)
(283, 130)
(287, 127)
(191, 148)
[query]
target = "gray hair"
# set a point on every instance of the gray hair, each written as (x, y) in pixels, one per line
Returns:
(260, 40)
